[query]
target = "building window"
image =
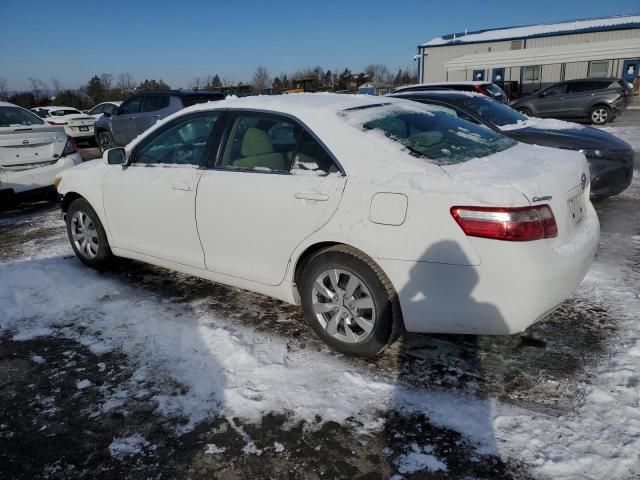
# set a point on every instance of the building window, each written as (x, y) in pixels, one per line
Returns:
(516, 45)
(531, 73)
(599, 69)
(478, 75)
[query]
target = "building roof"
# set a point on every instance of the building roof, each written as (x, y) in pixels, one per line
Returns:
(621, 22)
(548, 55)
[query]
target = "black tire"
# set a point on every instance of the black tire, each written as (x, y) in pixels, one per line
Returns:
(105, 141)
(600, 115)
(524, 111)
(388, 318)
(103, 257)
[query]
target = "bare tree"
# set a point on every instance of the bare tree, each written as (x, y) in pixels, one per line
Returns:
(107, 81)
(195, 83)
(261, 79)
(37, 87)
(378, 73)
(126, 83)
(57, 86)
(228, 81)
(4, 89)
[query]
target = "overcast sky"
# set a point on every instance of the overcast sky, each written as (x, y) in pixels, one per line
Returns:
(177, 41)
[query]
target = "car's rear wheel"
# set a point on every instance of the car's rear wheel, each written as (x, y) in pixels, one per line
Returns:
(524, 111)
(349, 302)
(600, 114)
(87, 236)
(105, 141)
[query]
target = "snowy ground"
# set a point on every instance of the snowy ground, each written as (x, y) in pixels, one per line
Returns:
(142, 373)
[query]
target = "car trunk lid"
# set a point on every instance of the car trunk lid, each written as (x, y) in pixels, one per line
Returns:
(559, 178)
(28, 147)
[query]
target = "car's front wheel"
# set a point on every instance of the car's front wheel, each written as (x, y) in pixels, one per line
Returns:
(349, 301)
(105, 141)
(524, 111)
(87, 236)
(600, 114)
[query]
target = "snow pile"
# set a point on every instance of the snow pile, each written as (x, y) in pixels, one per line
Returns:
(127, 446)
(542, 124)
(419, 459)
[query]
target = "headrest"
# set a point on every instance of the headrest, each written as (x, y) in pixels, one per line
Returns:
(255, 142)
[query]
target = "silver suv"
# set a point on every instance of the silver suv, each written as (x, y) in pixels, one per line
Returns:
(141, 111)
(597, 99)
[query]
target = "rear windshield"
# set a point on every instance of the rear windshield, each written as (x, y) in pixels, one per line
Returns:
(493, 89)
(495, 112)
(61, 113)
(17, 117)
(431, 134)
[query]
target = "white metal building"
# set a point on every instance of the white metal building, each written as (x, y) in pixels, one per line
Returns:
(536, 55)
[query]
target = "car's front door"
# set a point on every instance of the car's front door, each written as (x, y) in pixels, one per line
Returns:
(150, 202)
(273, 185)
(123, 124)
(549, 102)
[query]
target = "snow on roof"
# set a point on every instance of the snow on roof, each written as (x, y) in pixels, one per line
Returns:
(540, 30)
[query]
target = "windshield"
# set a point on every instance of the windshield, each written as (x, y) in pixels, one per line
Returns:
(17, 117)
(495, 112)
(433, 134)
(494, 90)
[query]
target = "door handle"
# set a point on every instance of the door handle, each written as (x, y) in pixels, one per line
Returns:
(182, 186)
(316, 197)
(156, 116)
(131, 118)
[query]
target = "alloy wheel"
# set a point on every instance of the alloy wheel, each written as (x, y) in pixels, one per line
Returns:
(599, 116)
(104, 143)
(343, 305)
(84, 235)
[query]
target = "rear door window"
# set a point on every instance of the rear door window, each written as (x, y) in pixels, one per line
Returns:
(155, 102)
(580, 87)
(312, 158)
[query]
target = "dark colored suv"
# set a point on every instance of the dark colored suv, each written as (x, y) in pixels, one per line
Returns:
(489, 89)
(597, 99)
(140, 111)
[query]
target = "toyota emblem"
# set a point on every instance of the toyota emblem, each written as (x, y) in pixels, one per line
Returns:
(25, 142)
(583, 181)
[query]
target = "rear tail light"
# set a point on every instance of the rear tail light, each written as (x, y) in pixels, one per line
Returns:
(51, 122)
(70, 147)
(511, 224)
(478, 88)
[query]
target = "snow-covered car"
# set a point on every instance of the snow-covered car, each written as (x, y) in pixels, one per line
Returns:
(104, 107)
(375, 214)
(78, 125)
(32, 153)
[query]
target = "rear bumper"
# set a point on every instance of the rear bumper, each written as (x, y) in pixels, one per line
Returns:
(23, 181)
(516, 285)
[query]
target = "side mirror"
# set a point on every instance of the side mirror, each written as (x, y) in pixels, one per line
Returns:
(115, 156)
(542, 94)
(106, 114)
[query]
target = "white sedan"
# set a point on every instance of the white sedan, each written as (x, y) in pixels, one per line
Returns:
(102, 108)
(78, 125)
(376, 215)
(32, 153)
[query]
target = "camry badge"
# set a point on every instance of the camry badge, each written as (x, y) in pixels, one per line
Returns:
(542, 199)
(583, 181)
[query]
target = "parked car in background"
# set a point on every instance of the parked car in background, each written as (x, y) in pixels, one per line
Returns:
(102, 108)
(376, 214)
(485, 88)
(594, 99)
(32, 153)
(78, 125)
(610, 159)
(141, 111)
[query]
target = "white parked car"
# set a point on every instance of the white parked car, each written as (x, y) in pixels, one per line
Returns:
(377, 215)
(102, 108)
(32, 152)
(78, 125)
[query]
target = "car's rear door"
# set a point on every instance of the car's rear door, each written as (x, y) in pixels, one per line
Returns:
(273, 185)
(150, 202)
(578, 98)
